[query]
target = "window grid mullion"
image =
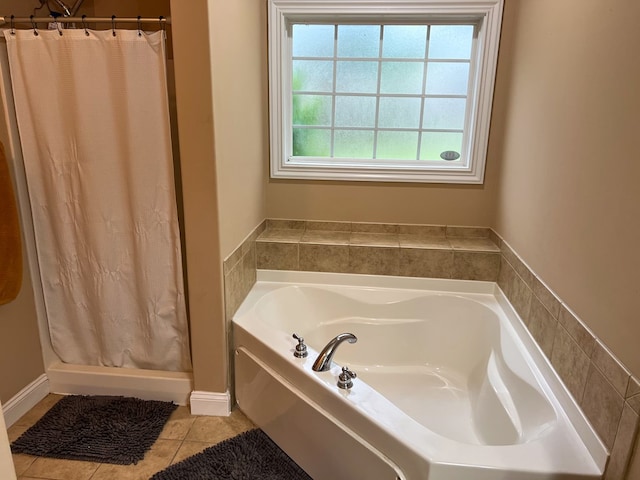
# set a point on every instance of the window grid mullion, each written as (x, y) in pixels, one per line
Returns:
(378, 83)
(424, 91)
(333, 88)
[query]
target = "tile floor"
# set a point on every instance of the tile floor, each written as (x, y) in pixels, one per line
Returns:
(183, 435)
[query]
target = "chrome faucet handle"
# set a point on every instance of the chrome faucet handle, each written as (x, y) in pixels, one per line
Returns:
(345, 378)
(301, 348)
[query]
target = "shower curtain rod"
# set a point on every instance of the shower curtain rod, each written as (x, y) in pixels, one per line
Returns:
(160, 20)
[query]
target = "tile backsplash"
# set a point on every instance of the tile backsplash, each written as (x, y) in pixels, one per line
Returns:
(605, 390)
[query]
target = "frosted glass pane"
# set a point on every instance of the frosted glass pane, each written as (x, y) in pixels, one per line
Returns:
(444, 113)
(401, 77)
(447, 78)
(309, 142)
(434, 143)
(404, 41)
(313, 75)
(359, 41)
(355, 111)
(353, 144)
(313, 40)
(312, 110)
(357, 77)
(397, 145)
(399, 112)
(451, 41)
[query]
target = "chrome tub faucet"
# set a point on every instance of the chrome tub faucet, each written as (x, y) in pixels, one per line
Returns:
(323, 362)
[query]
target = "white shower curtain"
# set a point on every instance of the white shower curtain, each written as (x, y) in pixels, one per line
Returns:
(93, 118)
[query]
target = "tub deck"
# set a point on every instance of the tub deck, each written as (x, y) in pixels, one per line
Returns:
(450, 385)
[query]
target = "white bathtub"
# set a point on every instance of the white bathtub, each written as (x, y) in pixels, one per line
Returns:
(450, 385)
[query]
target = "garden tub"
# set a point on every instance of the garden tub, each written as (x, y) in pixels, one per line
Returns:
(449, 383)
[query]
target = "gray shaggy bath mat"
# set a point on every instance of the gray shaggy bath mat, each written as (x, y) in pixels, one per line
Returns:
(102, 429)
(251, 455)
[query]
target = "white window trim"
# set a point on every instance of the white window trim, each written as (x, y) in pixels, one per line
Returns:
(282, 12)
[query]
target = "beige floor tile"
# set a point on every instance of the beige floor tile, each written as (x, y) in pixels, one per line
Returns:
(188, 449)
(15, 431)
(54, 469)
(22, 462)
(178, 424)
(42, 407)
(157, 458)
(216, 429)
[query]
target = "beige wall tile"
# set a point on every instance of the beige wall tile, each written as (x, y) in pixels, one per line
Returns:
(602, 405)
(611, 368)
(517, 264)
(455, 231)
(419, 262)
(571, 363)
(324, 258)
(374, 239)
(232, 291)
(374, 227)
(623, 445)
(374, 260)
(329, 226)
(542, 326)
(326, 237)
(495, 238)
(277, 256)
(545, 295)
(278, 224)
(423, 230)
(422, 241)
(281, 235)
(577, 330)
(473, 244)
(633, 395)
(248, 266)
(232, 259)
(521, 298)
(475, 266)
(506, 277)
(634, 387)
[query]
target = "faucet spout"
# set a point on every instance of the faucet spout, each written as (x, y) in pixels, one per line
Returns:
(323, 362)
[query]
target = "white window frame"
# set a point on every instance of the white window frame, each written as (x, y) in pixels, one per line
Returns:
(486, 13)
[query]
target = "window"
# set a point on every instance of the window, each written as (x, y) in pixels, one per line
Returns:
(393, 91)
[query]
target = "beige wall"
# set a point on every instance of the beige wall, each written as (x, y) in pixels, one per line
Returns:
(568, 123)
(239, 62)
(383, 202)
(199, 177)
(20, 354)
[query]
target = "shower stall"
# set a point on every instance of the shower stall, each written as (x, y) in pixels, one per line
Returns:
(63, 376)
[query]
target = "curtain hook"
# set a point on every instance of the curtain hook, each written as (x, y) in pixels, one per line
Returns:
(13, 27)
(35, 27)
(58, 26)
(84, 24)
(139, 26)
(113, 25)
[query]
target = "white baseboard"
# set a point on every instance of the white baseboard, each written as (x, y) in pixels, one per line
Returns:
(212, 404)
(25, 399)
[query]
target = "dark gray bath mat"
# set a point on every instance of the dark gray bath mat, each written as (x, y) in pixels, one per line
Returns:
(251, 455)
(102, 429)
